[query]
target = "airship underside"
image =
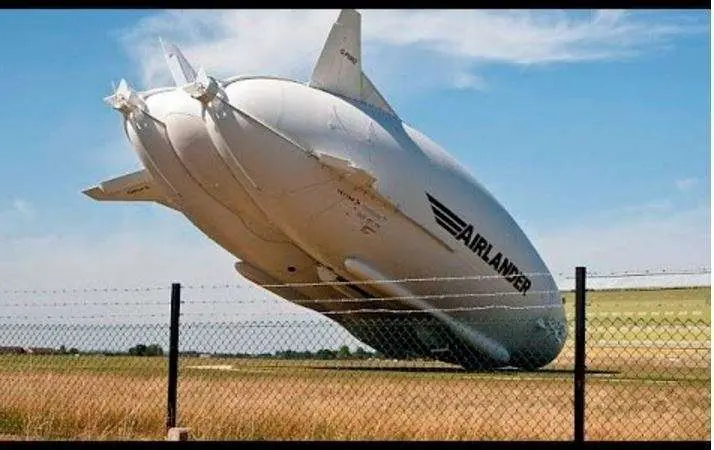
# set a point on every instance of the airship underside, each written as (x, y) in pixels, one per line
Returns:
(330, 200)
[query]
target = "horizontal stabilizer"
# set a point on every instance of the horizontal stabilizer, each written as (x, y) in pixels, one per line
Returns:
(339, 67)
(135, 186)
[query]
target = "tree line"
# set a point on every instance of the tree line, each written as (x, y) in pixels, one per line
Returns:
(343, 352)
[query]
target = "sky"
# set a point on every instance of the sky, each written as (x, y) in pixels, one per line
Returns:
(590, 127)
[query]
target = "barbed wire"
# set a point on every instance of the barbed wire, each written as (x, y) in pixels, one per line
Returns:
(433, 310)
(396, 297)
(90, 316)
(109, 315)
(594, 274)
(83, 290)
(624, 314)
(400, 280)
(646, 273)
(62, 304)
(415, 310)
(270, 300)
(365, 310)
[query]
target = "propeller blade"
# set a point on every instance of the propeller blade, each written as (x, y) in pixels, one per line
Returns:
(124, 99)
(123, 89)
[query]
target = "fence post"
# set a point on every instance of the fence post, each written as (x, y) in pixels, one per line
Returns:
(173, 355)
(579, 373)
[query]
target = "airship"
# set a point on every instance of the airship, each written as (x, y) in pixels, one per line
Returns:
(328, 199)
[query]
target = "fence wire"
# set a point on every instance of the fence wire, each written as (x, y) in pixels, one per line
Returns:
(649, 364)
(92, 363)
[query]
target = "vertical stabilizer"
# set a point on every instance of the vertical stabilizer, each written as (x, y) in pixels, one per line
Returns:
(181, 70)
(339, 67)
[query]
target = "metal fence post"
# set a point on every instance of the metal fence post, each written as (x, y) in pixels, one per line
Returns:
(173, 355)
(579, 373)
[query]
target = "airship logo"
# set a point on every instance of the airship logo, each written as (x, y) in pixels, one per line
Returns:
(474, 241)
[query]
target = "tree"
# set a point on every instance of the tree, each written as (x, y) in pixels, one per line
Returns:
(138, 350)
(344, 352)
(287, 354)
(324, 353)
(154, 350)
(63, 350)
(144, 350)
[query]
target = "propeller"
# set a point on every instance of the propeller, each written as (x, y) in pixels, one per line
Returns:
(204, 88)
(124, 99)
(197, 84)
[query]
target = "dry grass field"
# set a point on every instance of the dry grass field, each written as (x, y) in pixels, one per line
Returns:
(647, 381)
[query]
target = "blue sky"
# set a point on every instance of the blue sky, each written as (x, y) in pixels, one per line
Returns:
(592, 128)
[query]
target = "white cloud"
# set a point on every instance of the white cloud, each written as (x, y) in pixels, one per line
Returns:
(118, 259)
(23, 207)
(650, 209)
(287, 43)
(463, 80)
(655, 243)
(685, 184)
(230, 42)
(18, 214)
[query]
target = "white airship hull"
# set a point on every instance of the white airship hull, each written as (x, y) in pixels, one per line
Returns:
(307, 186)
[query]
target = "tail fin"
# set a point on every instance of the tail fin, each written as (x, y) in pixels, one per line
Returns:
(339, 67)
(181, 70)
(135, 186)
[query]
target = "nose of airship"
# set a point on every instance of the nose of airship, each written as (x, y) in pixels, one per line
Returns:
(546, 334)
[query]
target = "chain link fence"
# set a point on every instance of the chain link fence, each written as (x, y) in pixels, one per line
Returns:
(648, 359)
(92, 364)
(83, 363)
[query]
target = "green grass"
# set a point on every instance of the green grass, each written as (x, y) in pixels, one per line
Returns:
(693, 302)
(644, 316)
